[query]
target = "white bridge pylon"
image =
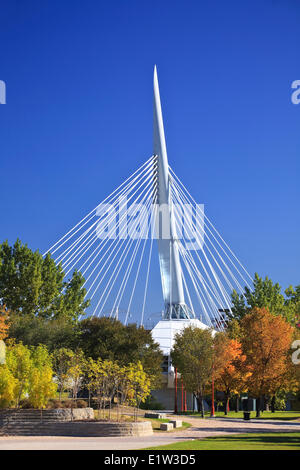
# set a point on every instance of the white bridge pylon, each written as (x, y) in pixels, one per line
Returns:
(168, 251)
(113, 245)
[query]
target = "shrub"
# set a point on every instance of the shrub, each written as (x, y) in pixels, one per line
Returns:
(25, 404)
(80, 404)
(151, 404)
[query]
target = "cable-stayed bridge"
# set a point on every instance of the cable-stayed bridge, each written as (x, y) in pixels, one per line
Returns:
(152, 220)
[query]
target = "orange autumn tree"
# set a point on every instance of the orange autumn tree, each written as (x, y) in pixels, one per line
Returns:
(231, 372)
(266, 341)
(4, 325)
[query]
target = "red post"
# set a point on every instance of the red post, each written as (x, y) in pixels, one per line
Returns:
(175, 404)
(182, 403)
(185, 407)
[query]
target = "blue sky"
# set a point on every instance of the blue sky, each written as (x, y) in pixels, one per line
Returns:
(78, 118)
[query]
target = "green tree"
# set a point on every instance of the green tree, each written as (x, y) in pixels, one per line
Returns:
(101, 337)
(292, 304)
(265, 294)
(70, 303)
(55, 333)
(106, 338)
(293, 294)
(31, 284)
(193, 356)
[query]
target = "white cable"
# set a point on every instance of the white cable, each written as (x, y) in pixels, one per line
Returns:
(195, 284)
(191, 260)
(224, 275)
(208, 238)
(190, 266)
(217, 280)
(130, 265)
(148, 162)
(123, 284)
(211, 224)
(111, 261)
(212, 307)
(224, 293)
(188, 293)
(123, 259)
(183, 199)
(105, 241)
(123, 233)
(136, 277)
(148, 269)
(147, 172)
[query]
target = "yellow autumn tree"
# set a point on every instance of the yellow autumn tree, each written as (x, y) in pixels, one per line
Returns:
(103, 379)
(76, 371)
(27, 373)
(8, 385)
(41, 383)
(140, 385)
(19, 363)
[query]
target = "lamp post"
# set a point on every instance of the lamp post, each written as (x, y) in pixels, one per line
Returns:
(212, 412)
(175, 403)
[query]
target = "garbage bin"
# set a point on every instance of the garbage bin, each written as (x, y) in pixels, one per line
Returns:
(247, 415)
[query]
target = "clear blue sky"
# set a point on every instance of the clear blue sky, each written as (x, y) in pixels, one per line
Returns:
(78, 118)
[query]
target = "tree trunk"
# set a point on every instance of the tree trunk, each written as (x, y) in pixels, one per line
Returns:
(237, 403)
(267, 403)
(226, 404)
(258, 407)
(246, 404)
(200, 405)
(273, 404)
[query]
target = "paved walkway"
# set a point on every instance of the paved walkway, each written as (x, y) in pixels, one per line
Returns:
(200, 428)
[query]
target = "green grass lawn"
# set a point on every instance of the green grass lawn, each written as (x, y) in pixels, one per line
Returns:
(281, 415)
(262, 441)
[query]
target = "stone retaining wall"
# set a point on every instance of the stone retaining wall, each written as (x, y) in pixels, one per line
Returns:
(59, 423)
(52, 415)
